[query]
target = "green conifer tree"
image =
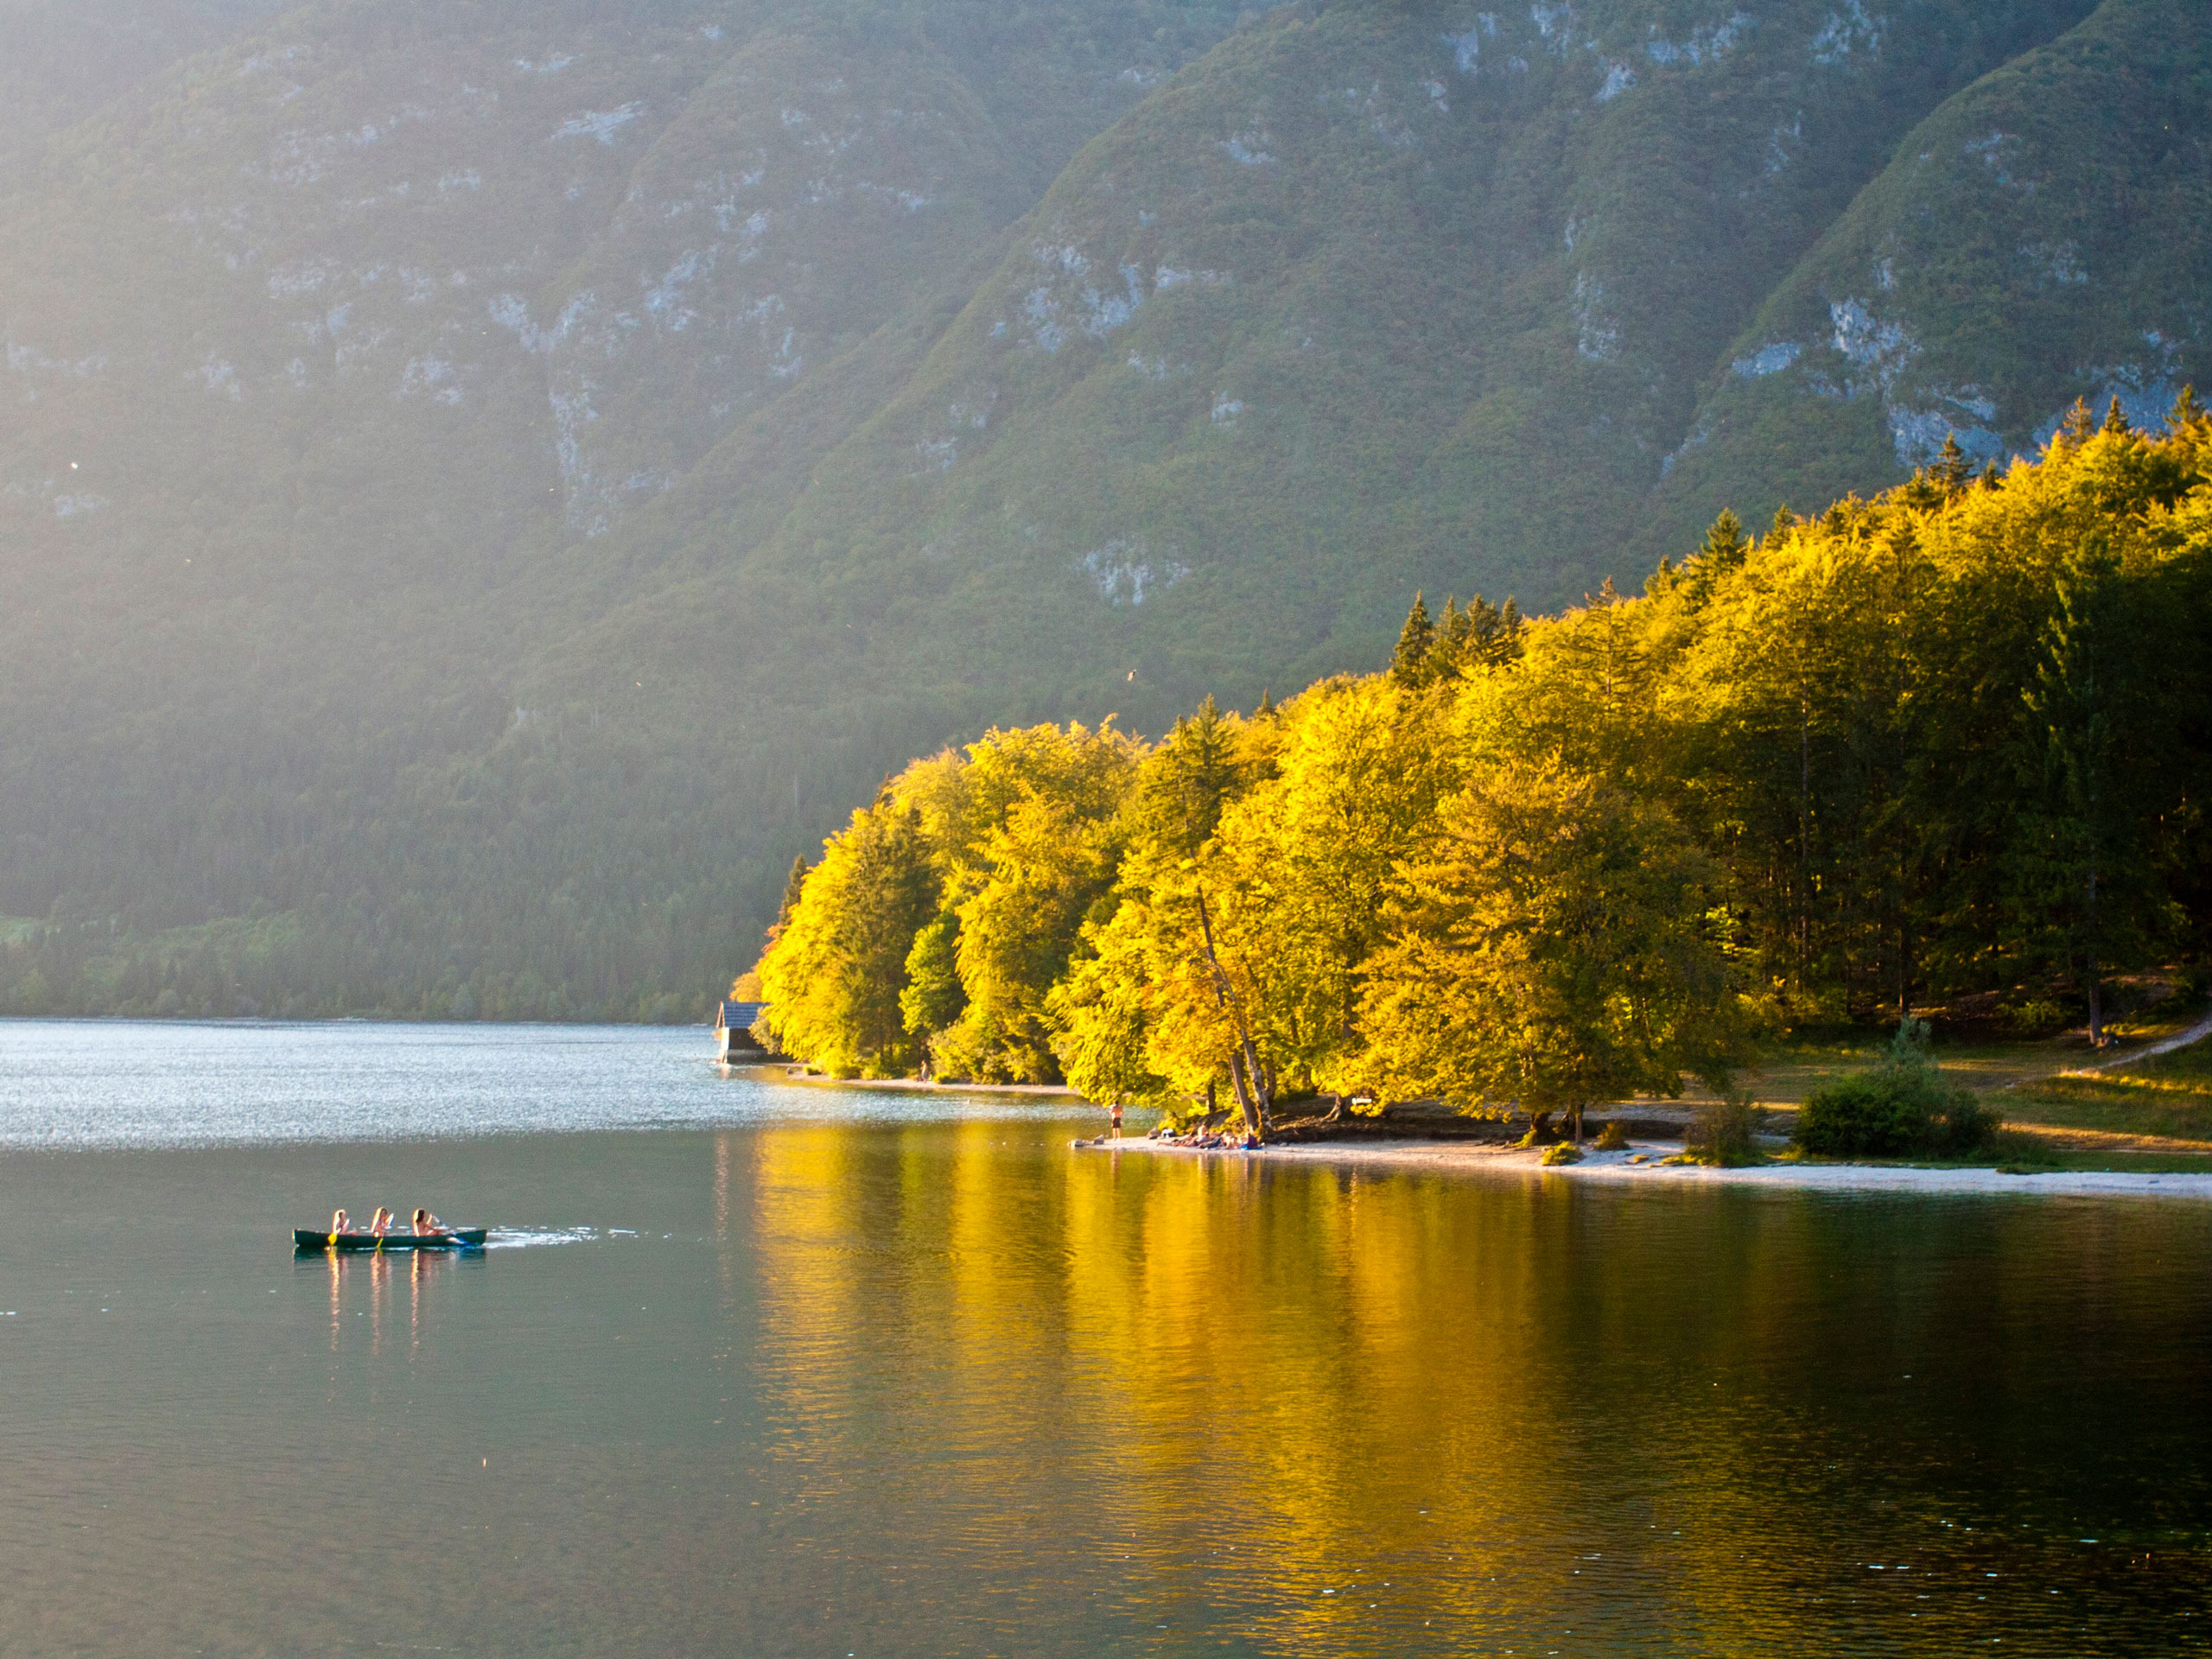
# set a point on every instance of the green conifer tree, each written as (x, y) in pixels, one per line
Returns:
(794, 884)
(934, 997)
(1410, 664)
(1723, 547)
(1724, 543)
(1184, 783)
(2071, 701)
(1454, 637)
(2116, 418)
(2076, 429)
(1952, 472)
(1494, 632)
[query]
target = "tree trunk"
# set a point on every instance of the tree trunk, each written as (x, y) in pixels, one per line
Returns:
(1904, 971)
(1258, 1113)
(2096, 1000)
(1244, 1100)
(1260, 1089)
(1804, 895)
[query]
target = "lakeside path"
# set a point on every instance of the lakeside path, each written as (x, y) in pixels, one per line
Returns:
(2195, 1034)
(1614, 1168)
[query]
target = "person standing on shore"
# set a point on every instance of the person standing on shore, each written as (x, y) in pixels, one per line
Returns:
(1117, 1110)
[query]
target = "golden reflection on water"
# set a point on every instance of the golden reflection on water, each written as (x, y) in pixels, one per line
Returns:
(1497, 1406)
(1271, 1373)
(418, 1282)
(380, 1265)
(370, 1277)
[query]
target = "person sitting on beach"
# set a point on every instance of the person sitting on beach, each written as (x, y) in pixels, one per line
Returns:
(382, 1225)
(427, 1225)
(340, 1222)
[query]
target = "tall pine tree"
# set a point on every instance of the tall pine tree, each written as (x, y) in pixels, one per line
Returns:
(2078, 839)
(1410, 664)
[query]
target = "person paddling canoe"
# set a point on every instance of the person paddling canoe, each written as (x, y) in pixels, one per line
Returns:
(427, 1225)
(340, 1222)
(382, 1225)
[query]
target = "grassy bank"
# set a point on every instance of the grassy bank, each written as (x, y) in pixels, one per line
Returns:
(2169, 1096)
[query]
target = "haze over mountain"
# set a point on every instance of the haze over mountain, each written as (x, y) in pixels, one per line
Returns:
(483, 485)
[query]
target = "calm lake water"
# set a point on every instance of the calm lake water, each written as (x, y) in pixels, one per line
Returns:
(767, 1370)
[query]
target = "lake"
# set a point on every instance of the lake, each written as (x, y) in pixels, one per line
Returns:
(759, 1369)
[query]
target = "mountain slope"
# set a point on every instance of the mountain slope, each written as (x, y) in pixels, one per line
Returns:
(440, 289)
(66, 58)
(482, 486)
(2044, 236)
(1369, 298)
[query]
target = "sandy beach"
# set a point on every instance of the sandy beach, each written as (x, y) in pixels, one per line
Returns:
(1615, 1168)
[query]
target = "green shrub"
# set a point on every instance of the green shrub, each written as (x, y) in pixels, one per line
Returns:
(1612, 1137)
(1962, 1126)
(1564, 1153)
(1902, 1108)
(1724, 1133)
(2035, 1017)
(1866, 1114)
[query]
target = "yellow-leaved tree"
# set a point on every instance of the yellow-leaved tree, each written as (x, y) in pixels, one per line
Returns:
(1558, 946)
(1139, 962)
(833, 975)
(1025, 832)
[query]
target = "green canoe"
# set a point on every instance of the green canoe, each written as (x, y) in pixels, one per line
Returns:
(457, 1238)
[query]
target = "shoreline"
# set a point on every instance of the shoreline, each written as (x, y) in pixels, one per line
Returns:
(778, 1071)
(1614, 1169)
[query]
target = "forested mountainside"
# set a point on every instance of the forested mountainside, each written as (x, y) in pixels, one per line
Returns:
(63, 58)
(2048, 231)
(483, 485)
(1951, 746)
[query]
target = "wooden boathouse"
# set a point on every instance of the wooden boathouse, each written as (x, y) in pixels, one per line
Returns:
(734, 1042)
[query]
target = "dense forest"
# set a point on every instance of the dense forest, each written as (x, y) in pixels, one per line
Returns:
(1950, 747)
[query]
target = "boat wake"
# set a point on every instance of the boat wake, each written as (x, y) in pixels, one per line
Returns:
(525, 1238)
